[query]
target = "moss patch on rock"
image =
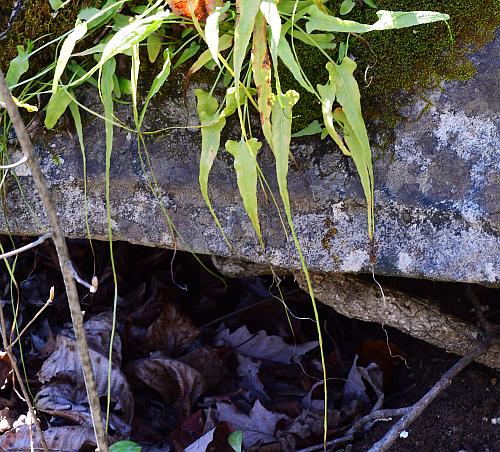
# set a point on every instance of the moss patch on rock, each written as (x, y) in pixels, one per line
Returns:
(409, 60)
(37, 20)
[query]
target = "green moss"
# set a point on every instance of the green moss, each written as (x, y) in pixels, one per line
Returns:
(409, 60)
(35, 20)
(313, 62)
(421, 57)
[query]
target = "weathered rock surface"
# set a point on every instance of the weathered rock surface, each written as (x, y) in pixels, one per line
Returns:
(437, 190)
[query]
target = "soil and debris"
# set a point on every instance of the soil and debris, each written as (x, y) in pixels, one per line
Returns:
(199, 361)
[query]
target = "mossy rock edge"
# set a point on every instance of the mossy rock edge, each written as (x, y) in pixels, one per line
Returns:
(391, 64)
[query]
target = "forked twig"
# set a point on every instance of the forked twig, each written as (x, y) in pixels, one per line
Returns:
(378, 415)
(64, 262)
(416, 410)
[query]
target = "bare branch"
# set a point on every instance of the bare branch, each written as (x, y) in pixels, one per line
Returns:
(45, 306)
(14, 165)
(92, 287)
(64, 261)
(379, 415)
(393, 434)
(37, 242)
(15, 368)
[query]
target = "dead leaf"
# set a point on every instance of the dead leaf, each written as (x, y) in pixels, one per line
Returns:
(57, 399)
(172, 332)
(262, 346)
(177, 383)
(188, 431)
(98, 330)
(57, 438)
(7, 418)
(43, 339)
(248, 371)
(208, 363)
(201, 444)
(5, 368)
(200, 8)
(220, 440)
(386, 355)
(258, 426)
(63, 367)
(355, 396)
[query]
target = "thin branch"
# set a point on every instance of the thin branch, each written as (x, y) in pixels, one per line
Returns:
(14, 165)
(15, 368)
(45, 306)
(64, 261)
(37, 242)
(416, 410)
(246, 308)
(379, 415)
(483, 323)
(92, 287)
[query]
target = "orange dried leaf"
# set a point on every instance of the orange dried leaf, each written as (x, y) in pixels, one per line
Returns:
(200, 8)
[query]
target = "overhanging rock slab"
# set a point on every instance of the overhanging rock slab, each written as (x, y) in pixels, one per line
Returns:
(437, 190)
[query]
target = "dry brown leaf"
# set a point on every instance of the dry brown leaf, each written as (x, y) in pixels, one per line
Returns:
(200, 8)
(43, 340)
(63, 367)
(208, 363)
(188, 431)
(5, 368)
(98, 330)
(172, 332)
(57, 399)
(258, 426)
(215, 440)
(248, 371)
(355, 393)
(57, 438)
(177, 383)
(7, 418)
(262, 346)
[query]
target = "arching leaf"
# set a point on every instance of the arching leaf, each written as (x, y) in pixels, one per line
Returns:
(387, 20)
(261, 68)
(245, 166)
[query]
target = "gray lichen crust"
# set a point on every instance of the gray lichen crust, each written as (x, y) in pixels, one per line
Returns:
(437, 190)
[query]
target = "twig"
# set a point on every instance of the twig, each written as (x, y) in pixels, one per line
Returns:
(64, 261)
(45, 306)
(92, 287)
(14, 165)
(15, 368)
(246, 308)
(416, 410)
(379, 415)
(483, 323)
(329, 445)
(37, 242)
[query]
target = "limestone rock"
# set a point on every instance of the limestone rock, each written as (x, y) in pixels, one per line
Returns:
(437, 189)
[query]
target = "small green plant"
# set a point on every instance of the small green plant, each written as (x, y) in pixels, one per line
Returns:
(246, 42)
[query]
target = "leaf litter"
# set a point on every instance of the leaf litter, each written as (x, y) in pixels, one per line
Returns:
(180, 378)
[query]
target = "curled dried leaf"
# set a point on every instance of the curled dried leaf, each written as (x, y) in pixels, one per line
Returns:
(172, 332)
(57, 438)
(199, 8)
(177, 383)
(64, 367)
